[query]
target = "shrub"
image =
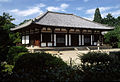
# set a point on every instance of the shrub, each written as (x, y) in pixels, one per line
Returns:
(43, 67)
(7, 68)
(14, 53)
(95, 58)
(115, 55)
(99, 66)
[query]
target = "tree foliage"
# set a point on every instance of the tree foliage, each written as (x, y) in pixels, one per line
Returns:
(97, 16)
(109, 20)
(112, 37)
(7, 38)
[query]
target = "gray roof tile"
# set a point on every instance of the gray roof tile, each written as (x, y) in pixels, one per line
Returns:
(65, 20)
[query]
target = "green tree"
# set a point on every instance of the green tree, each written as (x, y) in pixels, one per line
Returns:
(117, 23)
(7, 38)
(109, 20)
(97, 16)
(113, 37)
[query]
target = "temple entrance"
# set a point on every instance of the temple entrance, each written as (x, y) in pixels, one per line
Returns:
(37, 40)
(60, 40)
(87, 40)
(74, 40)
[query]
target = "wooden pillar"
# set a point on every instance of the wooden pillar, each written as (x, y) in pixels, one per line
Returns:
(53, 29)
(25, 36)
(68, 37)
(21, 36)
(29, 37)
(34, 36)
(81, 36)
(100, 37)
(92, 38)
(40, 36)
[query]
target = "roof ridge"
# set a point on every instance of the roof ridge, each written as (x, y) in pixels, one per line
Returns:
(40, 17)
(51, 13)
(60, 13)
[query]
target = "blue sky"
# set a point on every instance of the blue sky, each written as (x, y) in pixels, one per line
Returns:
(28, 9)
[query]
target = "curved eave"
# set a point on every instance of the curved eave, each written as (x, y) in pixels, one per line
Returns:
(22, 26)
(97, 28)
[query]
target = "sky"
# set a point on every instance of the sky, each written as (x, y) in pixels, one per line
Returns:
(29, 9)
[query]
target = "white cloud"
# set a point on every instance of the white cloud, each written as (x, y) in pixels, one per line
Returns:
(79, 8)
(41, 5)
(5, 0)
(89, 18)
(115, 13)
(102, 9)
(90, 11)
(29, 11)
(62, 7)
(103, 14)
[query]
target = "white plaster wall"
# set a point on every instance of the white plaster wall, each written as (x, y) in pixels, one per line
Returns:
(79, 39)
(82, 39)
(69, 39)
(23, 39)
(66, 39)
(43, 44)
(27, 39)
(54, 39)
(91, 39)
(49, 44)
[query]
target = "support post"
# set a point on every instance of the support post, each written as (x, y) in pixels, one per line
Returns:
(80, 40)
(68, 37)
(100, 38)
(91, 40)
(25, 36)
(53, 29)
(40, 36)
(34, 36)
(81, 37)
(92, 37)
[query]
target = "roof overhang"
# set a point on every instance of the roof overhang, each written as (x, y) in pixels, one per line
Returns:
(79, 25)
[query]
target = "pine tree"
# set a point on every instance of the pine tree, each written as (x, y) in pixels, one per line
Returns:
(97, 16)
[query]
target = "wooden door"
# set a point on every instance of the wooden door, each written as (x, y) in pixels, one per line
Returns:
(60, 40)
(87, 40)
(37, 40)
(75, 40)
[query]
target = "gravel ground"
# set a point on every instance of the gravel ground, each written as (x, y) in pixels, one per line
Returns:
(67, 56)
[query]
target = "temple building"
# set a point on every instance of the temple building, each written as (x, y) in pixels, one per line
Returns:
(53, 29)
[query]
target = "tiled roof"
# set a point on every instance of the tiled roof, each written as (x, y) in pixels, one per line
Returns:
(64, 20)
